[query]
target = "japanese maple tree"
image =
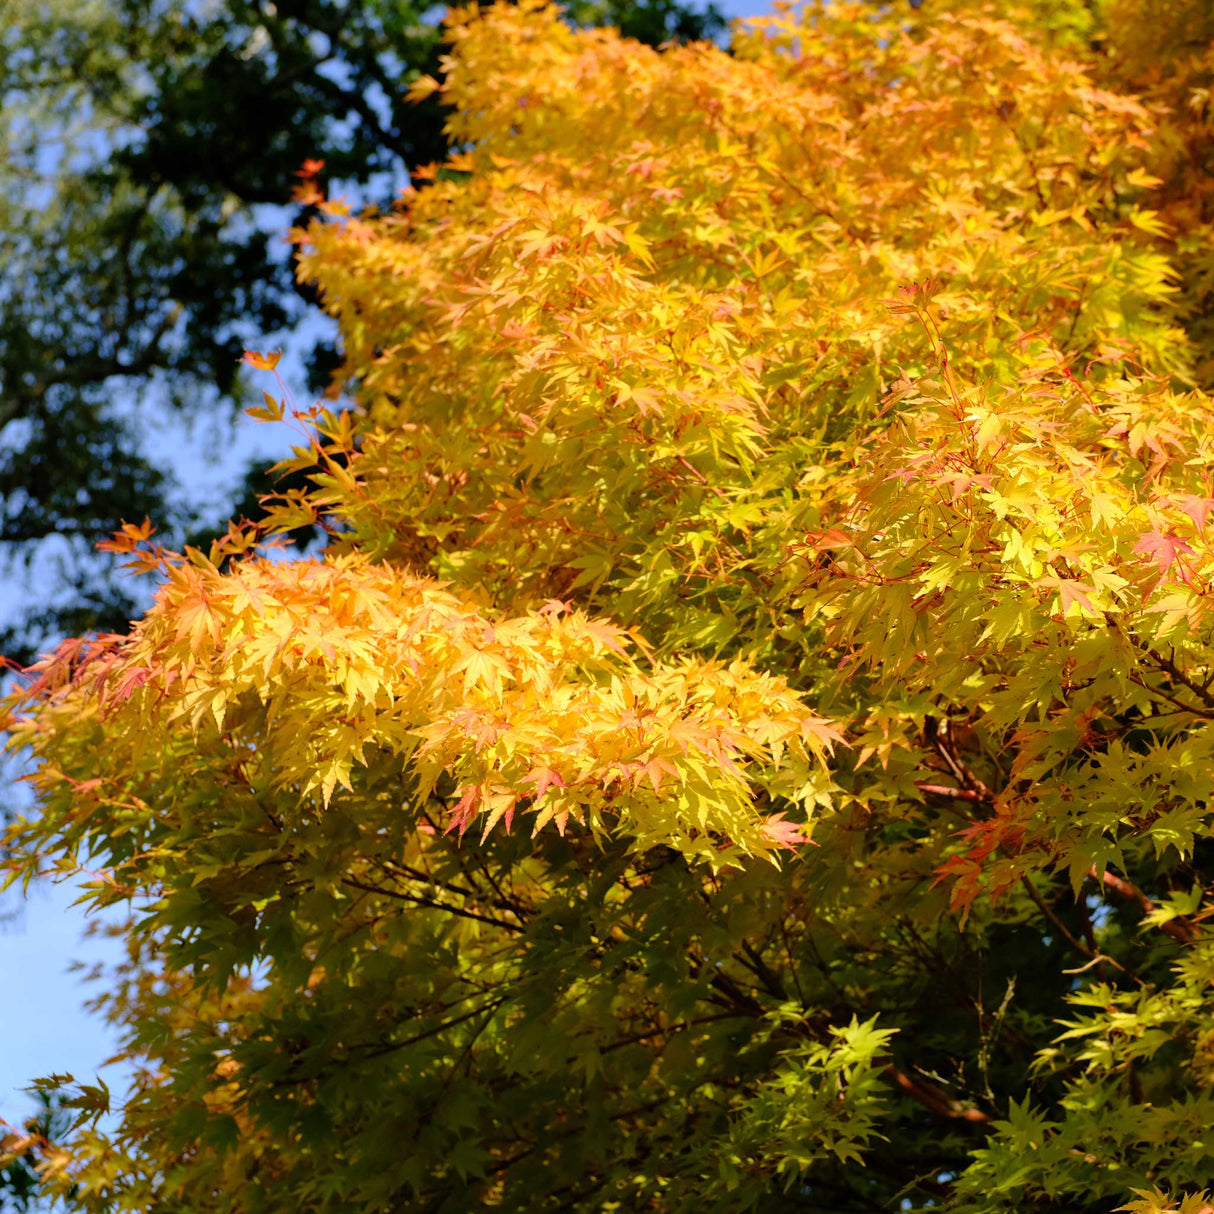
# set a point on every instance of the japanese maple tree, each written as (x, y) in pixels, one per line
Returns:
(747, 742)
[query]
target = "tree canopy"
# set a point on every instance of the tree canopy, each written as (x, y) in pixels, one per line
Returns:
(746, 743)
(146, 153)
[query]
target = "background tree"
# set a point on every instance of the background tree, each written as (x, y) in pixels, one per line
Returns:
(21, 1149)
(797, 443)
(148, 150)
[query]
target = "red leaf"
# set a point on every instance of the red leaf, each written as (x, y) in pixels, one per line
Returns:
(464, 810)
(262, 362)
(134, 679)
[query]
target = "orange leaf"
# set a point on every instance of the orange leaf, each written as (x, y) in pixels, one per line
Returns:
(128, 537)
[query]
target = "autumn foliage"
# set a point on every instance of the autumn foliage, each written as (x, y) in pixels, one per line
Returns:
(747, 741)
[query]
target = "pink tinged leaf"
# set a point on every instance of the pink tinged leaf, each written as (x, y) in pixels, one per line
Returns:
(1070, 591)
(1075, 592)
(1164, 550)
(783, 834)
(606, 636)
(655, 769)
(501, 805)
(820, 735)
(1197, 508)
(134, 679)
(85, 786)
(544, 779)
(831, 538)
(463, 811)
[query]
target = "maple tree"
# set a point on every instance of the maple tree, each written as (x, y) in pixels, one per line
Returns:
(747, 741)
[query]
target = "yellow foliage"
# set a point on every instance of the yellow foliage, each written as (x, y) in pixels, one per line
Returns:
(807, 438)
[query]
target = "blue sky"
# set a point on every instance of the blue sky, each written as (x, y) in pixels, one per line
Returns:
(42, 1022)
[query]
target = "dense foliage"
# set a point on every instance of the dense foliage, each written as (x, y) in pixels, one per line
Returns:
(146, 152)
(747, 742)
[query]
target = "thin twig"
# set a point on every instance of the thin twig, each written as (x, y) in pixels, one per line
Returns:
(1073, 940)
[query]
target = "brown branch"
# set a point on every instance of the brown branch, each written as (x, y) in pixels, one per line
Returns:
(959, 794)
(681, 1027)
(466, 1053)
(392, 1046)
(511, 904)
(483, 867)
(761, 970)
(1169, 665)
(940, 743)
(1089, 928)
(734, 996)
(931, 1097)
(729, 994)
(364, 1053)
(394, 868)
(1180, 929)
(1075, 943)
(792, 963)
(1203, 714)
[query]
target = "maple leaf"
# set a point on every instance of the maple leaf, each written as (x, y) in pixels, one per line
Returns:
(603, 634)
(912, 296)
(1197, 508)
(782, 834)
(544, 778)
(421, 88)
(461, 814)
(128, 537)
(814, 541)
(1071, 591)
(261, 362)
(274, 410)
(1165, 549)
(133, 679)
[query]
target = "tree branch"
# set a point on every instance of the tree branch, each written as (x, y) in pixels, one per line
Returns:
(931, 1097)
(1182, 930)
(959, 794)
(1073, 940)
(433, 904)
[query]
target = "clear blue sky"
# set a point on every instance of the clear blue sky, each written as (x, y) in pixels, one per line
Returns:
(42, 1022)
